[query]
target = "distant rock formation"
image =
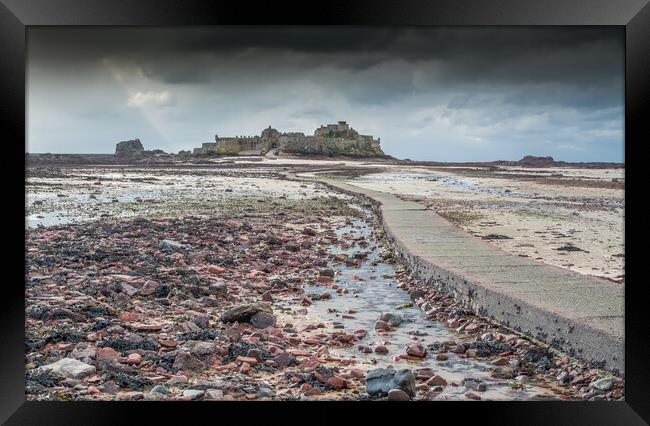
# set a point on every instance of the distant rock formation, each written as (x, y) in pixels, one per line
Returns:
(129, 148)
(330, 140)
(531, 160)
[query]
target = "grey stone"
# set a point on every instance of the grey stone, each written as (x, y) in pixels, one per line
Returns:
(82, 351)
(265, 392)
(381, 325)
(393, 320)
(244, 312)
(214, 394)
(70, 368)
(109, 387)
(263, 320)
(285, 359)
(380, 381)
(160, 389)
(203, 348)
(603, 384)
(170, 245)
(193, 393)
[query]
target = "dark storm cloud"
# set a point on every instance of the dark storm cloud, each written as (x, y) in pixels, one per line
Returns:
(539, 54)
(461, 77)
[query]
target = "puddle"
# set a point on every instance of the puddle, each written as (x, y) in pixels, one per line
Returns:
(371, 291)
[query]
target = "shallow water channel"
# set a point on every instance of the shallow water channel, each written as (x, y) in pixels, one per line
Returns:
(371, 291)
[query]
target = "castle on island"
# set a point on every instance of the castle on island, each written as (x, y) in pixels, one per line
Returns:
(332, 139)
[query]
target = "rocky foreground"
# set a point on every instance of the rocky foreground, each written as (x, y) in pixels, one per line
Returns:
(204, 308)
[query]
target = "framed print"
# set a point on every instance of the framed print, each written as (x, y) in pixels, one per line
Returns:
(238, 209)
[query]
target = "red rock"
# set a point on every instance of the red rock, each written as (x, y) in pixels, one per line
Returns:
(470, 353)
(245, 368)
(429, 395)
(186, 361)
(246, 360)
(381, 349)
(511, 338)
(442, 357)
(309, 365)
(134, 359)
(215, 269)
(146, 327)
(472, 395)
(323, 350)
(107, 353)
(168, 343)
(357, 373)
(66, 346)
(174, 380)
(436, 381)
(313, 391)
(453, 322)
(336, 382)
(416, 350)
(320, 377)
(424, 374)
(398, 395)
(149, 288)
(460, 349)
(325, 279)
(578, 379)
(129, 316)
(472, 328)
(500, 361)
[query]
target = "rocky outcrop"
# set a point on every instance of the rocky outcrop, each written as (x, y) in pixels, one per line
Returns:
(531, 160)
(129, 148)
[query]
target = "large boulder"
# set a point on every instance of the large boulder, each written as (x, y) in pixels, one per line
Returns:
(382, 380)
(393, 320)
(129, 148)
(70, 368)
(244, 312)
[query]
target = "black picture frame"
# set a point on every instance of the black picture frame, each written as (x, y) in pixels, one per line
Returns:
(17, 15)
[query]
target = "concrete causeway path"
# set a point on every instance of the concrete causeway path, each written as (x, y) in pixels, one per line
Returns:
(577, 314)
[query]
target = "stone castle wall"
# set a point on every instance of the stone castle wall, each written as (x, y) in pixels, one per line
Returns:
(333, 139)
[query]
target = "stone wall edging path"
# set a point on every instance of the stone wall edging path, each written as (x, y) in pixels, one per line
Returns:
(573, 313)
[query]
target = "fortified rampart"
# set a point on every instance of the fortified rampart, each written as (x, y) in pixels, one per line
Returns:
(332, 139)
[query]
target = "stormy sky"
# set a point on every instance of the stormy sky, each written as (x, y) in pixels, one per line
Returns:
(437, 93)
